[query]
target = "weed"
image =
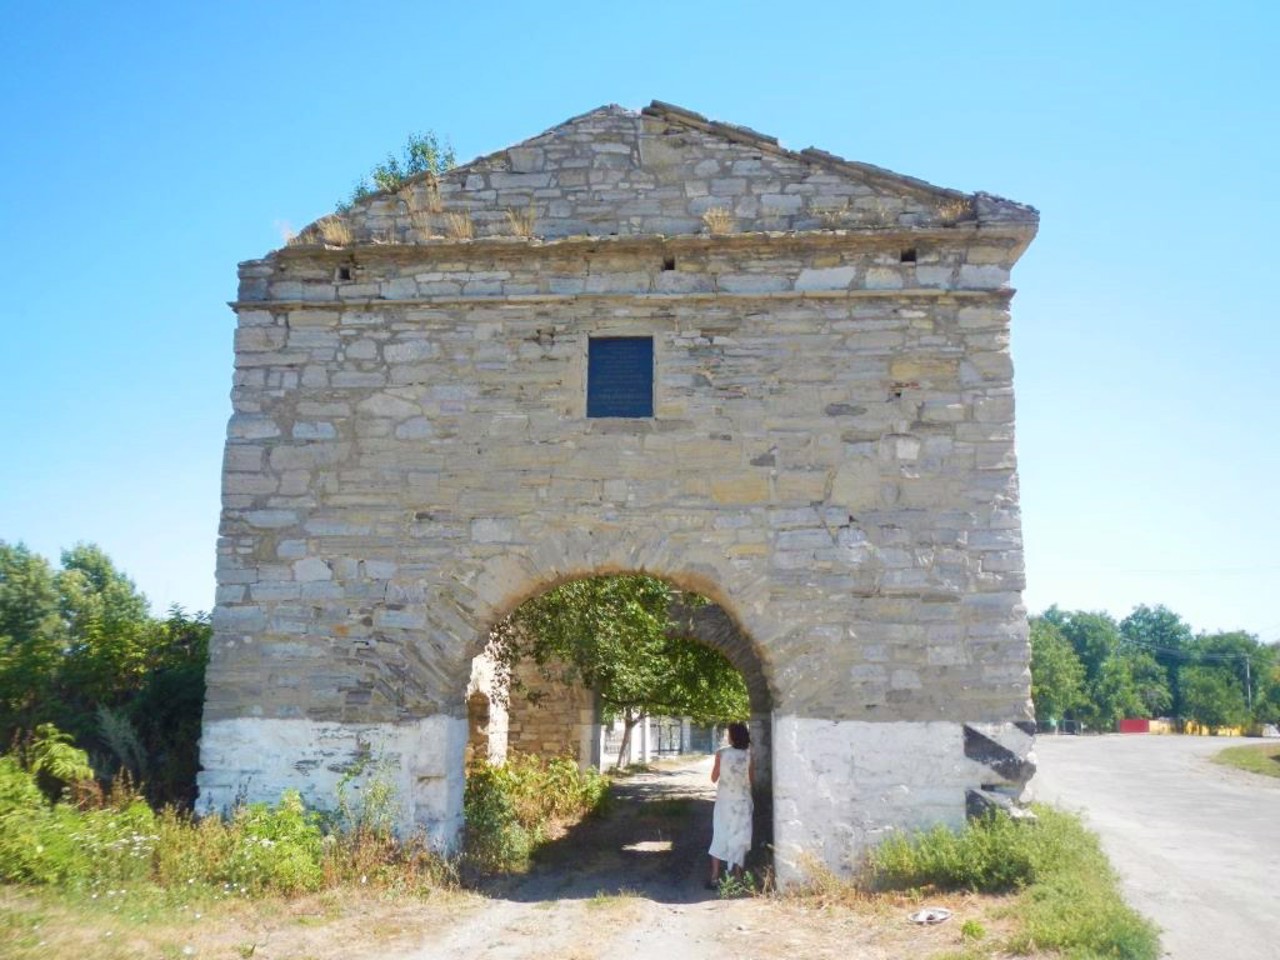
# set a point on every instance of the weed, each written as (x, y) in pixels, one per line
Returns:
(718, 220)
(55, 762)
(424, 223)
(990, 856)
(121, 738)
(602, 900)
(458, 225)
(972, 930)
(522, 222)
(1069, 899)
(424, 205)
(334, 231)
(422, 154)
(631, 769)
(737, 885)
(510, 807)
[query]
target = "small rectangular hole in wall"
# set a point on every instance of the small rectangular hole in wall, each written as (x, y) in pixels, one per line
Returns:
(908, 255)
(342, 274)
(668, 263)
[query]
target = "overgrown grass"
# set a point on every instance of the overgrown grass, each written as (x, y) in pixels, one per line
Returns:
(1255, 758)
(123, 845)
(1068, 895)
(511, 808)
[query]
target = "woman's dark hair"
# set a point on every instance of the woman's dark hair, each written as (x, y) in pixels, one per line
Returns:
(739, 736)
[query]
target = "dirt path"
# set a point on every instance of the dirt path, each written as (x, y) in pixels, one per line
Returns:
(631, 885)
(614, 885)
(625, 886)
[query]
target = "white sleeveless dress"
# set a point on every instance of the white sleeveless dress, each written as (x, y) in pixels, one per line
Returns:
(731, 822)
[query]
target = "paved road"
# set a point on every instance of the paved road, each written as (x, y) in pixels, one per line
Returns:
(1196, 844)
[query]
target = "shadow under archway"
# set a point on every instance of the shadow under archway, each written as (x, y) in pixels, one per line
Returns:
(655, 838)
(651, 842)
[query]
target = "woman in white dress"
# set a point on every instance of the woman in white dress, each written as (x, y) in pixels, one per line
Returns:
(733, 775)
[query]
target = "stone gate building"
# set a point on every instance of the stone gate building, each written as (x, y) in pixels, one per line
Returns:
(640, 342)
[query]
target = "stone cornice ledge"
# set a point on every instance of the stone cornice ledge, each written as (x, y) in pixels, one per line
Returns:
(1014, 235)
(1003, 294)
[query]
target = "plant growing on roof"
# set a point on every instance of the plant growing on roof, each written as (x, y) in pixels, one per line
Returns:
(423, 153)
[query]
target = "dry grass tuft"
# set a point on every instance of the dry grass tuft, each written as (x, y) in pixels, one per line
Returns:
(424, 205)
(951, 212)
(522, 221)
(423, 222)
(334, 231)
(718, 220)
(458, 225)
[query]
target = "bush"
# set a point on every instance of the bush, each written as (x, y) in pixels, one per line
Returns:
(59, 844)
(1070, 898)
(991, 855)
(277, 848)
(261, 849)
(509, 808)
(495, 839)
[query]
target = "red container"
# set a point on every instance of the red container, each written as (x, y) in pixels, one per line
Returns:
(1133, 725)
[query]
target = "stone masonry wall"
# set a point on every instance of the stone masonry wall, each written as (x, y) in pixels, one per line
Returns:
(549, 718)
(831, 461)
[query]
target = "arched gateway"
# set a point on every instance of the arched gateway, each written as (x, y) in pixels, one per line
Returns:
(777, 378)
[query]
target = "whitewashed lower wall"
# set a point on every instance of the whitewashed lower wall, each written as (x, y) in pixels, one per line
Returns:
(250, 760)
(840, 787)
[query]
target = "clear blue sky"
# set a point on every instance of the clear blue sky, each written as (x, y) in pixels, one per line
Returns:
(147, 148)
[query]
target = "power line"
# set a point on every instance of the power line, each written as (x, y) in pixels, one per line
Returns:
(1189, 654)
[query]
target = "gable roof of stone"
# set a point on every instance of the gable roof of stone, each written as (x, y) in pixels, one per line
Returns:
(668, 171)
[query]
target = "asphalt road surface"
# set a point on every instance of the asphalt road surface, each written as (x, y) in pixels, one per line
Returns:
(1197, 844)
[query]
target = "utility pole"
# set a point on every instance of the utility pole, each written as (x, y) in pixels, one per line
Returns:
(1248, 683)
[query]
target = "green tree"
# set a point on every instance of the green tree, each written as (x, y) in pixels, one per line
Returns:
(166, 711)
(109, 629)
(1212, 697)
(1113, 695)
(1162, 634)
(1094, 636)
(78, 649)
(1240, 655)
(1057, 676)
(32, 639)
(1110, 692)
(1150, 683)
(422, 153)
(615, 635)
(1266, 704)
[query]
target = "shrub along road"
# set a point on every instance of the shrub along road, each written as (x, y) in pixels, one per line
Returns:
(1197, 844)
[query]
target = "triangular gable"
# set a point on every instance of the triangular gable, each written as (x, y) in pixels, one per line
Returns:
(661, 171)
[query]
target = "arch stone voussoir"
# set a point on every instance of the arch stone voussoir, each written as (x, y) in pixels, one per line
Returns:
(777, 379)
